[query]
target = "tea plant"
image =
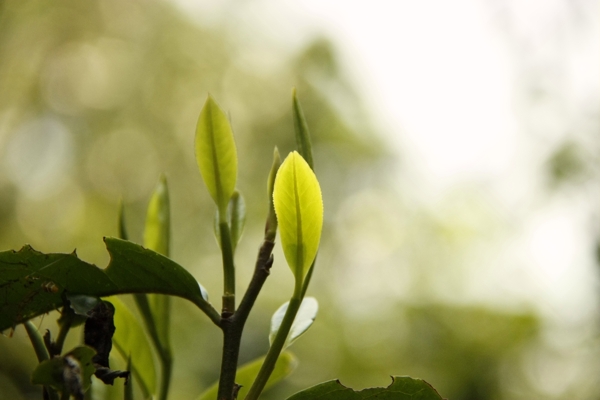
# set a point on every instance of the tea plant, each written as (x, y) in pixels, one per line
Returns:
(32, 283)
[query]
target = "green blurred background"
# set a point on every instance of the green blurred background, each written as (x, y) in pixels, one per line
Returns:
(98, 98)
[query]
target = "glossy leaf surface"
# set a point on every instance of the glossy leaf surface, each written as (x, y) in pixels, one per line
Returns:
(32, 283)
(216, 153)
(299, 208)
(131, 342)
(304, 319)
(246, 374)
(402, 388)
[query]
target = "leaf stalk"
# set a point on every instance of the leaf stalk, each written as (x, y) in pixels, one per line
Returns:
(276, 347)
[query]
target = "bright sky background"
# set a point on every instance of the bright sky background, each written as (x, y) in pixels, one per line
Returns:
(443, 79)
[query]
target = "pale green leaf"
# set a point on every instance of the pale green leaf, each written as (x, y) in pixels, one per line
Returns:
(236, 217)
(299, 209)
(247, 373)
(130, 340)
(402, 388)
(157, 238)
(157, 229)
(216, 153)
(304, 319)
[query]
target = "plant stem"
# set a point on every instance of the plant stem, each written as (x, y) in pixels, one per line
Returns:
(228, 270)
(209, 310)
(42, 354)
(128, 390)
(166, 360)
(233, 325)
(232, 337)
(36, 340)
(63, 331)
(269, 364)
(308, 277)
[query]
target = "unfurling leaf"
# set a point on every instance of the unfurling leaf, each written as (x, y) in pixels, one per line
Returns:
(402, 388)
(302, 134)
(299, 208)
(236, 219)
(216, 154)
(304, 319)
(247, 373)
(271, 226)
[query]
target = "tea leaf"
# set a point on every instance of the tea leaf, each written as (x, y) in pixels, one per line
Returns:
(33, 283)
(304, 319)
(299, 209)
(402, 388)
(216, 153)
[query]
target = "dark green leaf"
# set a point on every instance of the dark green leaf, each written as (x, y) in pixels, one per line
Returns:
(402, 388)
(32, 283)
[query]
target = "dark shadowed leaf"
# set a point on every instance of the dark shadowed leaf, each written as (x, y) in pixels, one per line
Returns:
(32, 283)
(73, 372)
(402, 388)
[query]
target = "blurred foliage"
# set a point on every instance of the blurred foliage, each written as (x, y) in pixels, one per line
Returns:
(98, 98)
(567, 164)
